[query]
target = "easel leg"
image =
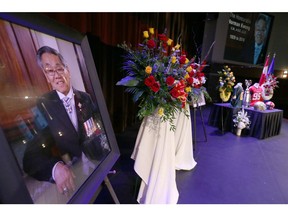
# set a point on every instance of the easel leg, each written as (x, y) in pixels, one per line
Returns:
(194, 129)
(204, 129)
(111, 190)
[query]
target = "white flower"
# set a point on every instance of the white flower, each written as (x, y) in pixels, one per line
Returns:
(241, 120)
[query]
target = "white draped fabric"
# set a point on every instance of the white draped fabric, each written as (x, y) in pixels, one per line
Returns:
(158, 153)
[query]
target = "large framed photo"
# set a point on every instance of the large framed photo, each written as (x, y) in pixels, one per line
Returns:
(36, 133)
(248, 37)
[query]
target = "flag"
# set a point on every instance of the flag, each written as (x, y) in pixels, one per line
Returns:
(264, 72)
(271, 67)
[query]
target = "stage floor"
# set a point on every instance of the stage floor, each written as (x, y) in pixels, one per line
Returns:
(229, 170)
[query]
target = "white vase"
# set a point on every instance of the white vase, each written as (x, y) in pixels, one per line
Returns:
(238, 131)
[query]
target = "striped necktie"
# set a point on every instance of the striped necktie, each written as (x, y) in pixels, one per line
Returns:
(67, 104)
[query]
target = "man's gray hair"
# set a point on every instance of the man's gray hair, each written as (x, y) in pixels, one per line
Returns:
(47, 49)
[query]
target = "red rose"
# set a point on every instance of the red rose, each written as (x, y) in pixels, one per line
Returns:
(190, 80)
(191, 74)
(194, 66)
(170, 80)
(151, 44)
(149, 81)
(182, 59)
(174, 93)
(162, 37)
(155, 87)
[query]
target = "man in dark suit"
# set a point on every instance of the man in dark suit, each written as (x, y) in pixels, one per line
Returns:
(74, 130)
(254, 52)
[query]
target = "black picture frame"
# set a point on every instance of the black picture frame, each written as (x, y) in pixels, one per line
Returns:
(12, 185)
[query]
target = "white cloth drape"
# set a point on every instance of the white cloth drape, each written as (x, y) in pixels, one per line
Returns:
(158, 152)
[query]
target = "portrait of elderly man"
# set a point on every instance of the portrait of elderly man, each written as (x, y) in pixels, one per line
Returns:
(74, 129)
(254, 51)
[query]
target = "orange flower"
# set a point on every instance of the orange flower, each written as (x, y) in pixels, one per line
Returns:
(148, 69)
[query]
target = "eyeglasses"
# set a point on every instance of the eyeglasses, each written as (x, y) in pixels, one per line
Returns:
(51, 71)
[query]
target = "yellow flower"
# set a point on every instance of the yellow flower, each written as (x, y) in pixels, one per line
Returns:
(151, 31)
(189, 69)
(186, 61)
(169, 42)
(173, 59)
(177, 46)
(145, 34)
(188, 89)
(160, 111)
(148, 70)
(187, 75)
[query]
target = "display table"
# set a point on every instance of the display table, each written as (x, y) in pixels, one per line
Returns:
(264, 124)
(158, 153)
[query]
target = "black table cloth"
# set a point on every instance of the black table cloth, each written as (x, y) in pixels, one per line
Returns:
(264, 124)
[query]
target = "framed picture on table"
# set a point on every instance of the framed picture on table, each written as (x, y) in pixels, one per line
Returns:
(22, 123)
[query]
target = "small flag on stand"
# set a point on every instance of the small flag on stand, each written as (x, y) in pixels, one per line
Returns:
(264, 72)
(271, 67)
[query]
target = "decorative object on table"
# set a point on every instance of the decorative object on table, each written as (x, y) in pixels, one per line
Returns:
(270, 105)
(237, 96)
(268, 87)
(260, 106)
(256, 94)
(268, 81)
(226, 82)
(161, 77)
(247, 95)
(241, 120)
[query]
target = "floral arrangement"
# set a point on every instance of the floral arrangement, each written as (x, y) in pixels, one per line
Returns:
(226, 82)
(161, 77)
(241, 120)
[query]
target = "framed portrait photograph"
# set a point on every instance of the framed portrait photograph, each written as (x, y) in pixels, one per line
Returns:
(56, 139)
(248, 37)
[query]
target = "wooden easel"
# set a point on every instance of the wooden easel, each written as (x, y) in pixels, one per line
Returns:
(107, 183)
